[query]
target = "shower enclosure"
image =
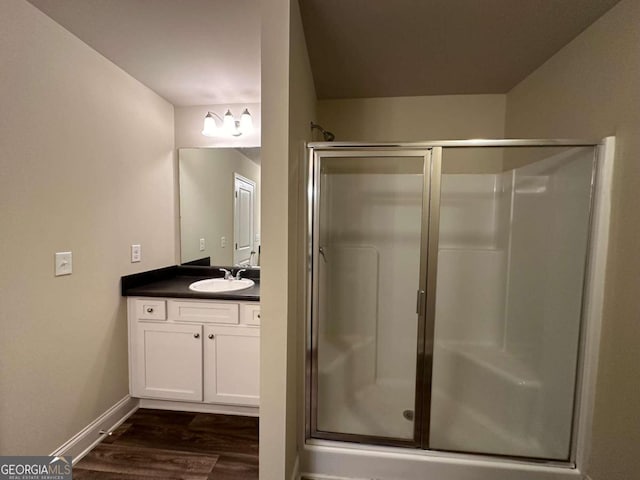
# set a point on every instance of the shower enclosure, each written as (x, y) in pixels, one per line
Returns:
(446, 295)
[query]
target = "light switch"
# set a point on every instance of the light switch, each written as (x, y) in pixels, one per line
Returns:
(223, 242)
(64, 263)
(202, 244)
(136, 253)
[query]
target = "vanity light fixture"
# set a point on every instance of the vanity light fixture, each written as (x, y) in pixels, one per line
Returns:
(229, 125)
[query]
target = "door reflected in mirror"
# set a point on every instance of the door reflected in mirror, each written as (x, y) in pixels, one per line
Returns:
(220, 205)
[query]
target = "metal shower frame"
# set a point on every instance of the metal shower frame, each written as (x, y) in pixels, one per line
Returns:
(428, 272)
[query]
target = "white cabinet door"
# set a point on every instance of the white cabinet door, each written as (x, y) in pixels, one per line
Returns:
(168, 361)
(232, 365)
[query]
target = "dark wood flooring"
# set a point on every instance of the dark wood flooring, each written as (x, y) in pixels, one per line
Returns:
(160, 444)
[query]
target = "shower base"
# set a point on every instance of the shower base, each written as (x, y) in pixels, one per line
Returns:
(375, 409)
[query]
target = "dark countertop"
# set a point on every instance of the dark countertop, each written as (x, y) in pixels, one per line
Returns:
(174, 282)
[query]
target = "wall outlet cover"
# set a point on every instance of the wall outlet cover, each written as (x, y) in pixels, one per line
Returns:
(136, 253)
(202, 243)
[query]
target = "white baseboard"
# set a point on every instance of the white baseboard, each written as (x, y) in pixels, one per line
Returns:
(199, 407)
(313, 476)
(83, 441)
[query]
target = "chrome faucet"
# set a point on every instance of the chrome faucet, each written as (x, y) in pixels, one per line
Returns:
(239, 272)
(227, 274)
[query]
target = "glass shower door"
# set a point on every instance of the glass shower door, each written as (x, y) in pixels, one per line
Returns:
(512, 247)
(446, 295)
(368, 267)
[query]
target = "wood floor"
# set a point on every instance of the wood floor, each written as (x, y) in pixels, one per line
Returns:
(160, 444)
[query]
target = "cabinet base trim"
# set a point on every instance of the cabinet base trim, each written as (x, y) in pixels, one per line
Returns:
(87, 438)
(200, 407)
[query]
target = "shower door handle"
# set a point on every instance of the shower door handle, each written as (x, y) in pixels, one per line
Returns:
(419, 302)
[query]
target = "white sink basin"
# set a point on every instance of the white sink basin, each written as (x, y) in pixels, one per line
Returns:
(220, 285)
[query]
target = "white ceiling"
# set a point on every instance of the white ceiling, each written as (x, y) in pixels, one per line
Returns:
(191, 52)
(204, 52)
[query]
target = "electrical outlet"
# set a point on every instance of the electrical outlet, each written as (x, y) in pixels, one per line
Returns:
(64, 263)
(223, 242)
(136, 253)
(202, 244)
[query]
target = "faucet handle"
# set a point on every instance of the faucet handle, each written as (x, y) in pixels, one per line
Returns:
(239, 272)
(227, 273)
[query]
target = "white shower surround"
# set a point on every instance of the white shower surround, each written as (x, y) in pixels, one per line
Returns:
(507, 313)
(327, 459)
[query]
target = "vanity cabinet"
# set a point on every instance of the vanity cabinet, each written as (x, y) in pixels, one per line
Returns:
(167, 361)
(232, 365)
(195, 350)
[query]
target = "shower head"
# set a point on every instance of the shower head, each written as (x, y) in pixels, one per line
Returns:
(328, 136)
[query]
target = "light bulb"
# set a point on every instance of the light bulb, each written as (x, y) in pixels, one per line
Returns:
(246, 122)
(229, 123)
(209, 129)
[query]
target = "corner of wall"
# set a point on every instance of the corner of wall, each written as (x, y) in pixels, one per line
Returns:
(302, 110)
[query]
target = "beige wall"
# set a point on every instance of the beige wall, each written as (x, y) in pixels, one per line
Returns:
(206, 201)
(440, 117)
(275, 240)
(412, 119)
(302, 110)
(189, 122)
(288, 101)
(86, 164)
(591, 88)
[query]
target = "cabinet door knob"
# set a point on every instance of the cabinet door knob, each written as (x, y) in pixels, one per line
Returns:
(196, 335)
(149, 309)
(211, 336)
(258, 315)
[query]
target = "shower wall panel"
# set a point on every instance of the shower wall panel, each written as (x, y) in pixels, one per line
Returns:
(471, 259)
(548, 246)
(470, 302)
(508, 304)
(364, 209)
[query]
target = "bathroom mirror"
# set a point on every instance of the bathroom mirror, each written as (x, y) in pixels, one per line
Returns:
(219, 205)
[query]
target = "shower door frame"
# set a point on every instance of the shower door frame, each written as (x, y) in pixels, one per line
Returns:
(585, 369)
(431, 165)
